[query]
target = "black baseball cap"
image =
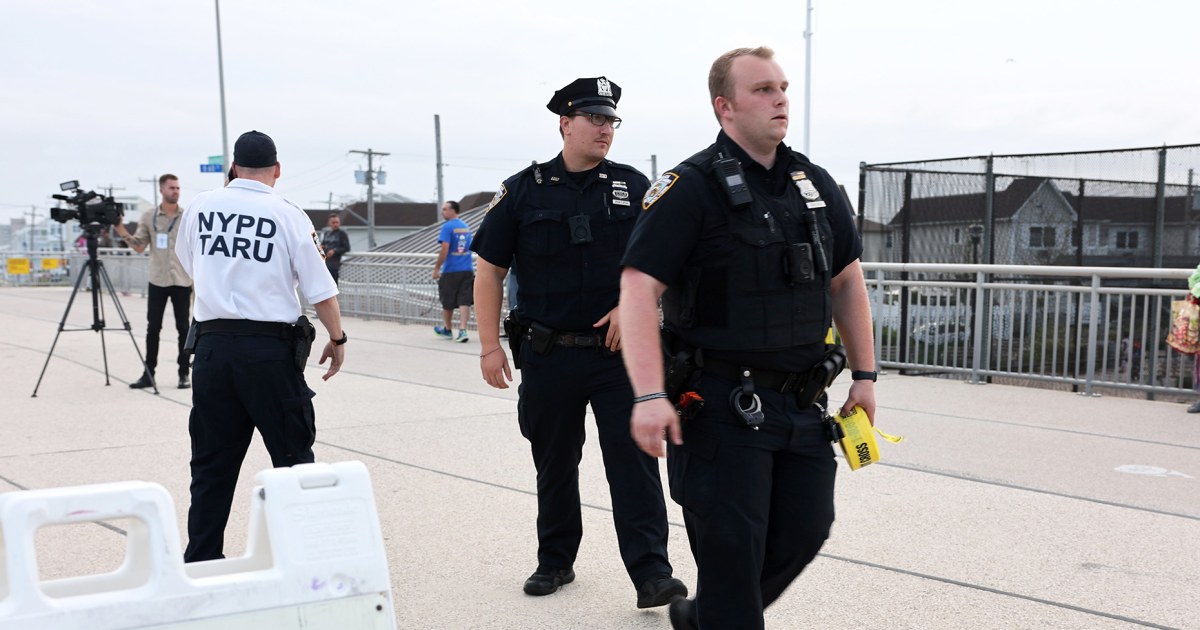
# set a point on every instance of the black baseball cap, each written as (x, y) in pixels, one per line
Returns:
(596, 95)
(254, 149)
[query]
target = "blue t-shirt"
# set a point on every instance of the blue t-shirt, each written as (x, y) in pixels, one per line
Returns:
(456, 232)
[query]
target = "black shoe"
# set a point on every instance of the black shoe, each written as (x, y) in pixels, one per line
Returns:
(660, 591)
(546, 581)
(682, 614)
(184, 383)
(142, 383)
(1195, 408)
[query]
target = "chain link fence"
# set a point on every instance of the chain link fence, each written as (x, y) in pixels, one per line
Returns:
(1122, 208)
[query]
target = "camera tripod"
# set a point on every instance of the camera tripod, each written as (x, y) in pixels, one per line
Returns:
(95, 271)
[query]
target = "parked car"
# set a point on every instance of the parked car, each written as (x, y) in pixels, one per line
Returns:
(942, 332)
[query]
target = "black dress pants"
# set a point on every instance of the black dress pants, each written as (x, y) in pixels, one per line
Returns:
(240, 383)
(758, 505)
(180, 298)
(554, 393)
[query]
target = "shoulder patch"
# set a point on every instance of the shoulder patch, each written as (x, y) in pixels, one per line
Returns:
(496, 199)
(317, 241)
(659, 188)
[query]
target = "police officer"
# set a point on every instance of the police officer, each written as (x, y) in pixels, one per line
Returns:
(248, 249)
(752, 248)
(566, 223)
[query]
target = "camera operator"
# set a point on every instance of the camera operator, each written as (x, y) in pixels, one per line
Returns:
(157, 229)
(248, 249)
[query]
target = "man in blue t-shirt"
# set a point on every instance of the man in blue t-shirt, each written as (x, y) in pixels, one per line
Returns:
(454, 273)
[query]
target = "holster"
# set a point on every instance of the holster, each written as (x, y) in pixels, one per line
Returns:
(516, 335)
(303, 335)
(189, 345)
(541, 338)
(679, 365)
(822, 375)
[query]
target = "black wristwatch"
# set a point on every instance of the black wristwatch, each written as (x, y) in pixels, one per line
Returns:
(862, 375)
(342, 341)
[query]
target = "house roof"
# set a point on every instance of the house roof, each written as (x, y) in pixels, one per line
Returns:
(961, 208)
(387, 214)
(424, 241)
(1005, 203)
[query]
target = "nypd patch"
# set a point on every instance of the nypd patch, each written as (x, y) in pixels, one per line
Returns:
(659, 188)
(317, 241)
(496, 199)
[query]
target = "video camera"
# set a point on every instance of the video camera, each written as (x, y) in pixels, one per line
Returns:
(90, 206)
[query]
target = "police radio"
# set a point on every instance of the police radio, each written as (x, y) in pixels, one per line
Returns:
(733, 181)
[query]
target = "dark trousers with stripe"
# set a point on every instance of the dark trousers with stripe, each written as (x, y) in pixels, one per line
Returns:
(240, 383)
(555, 391)
(758, 505)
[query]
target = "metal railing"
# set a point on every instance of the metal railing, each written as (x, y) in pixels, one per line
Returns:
(1085, 327)
(127, 269)
(1089, 328)
(396, 287)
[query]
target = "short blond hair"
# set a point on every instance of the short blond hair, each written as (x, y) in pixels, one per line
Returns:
(719, 81)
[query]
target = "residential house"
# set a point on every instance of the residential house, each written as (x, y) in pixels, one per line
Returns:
(395, 217)
(1035, 222)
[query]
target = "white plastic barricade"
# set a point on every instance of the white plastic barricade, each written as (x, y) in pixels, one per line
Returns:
(314, 560)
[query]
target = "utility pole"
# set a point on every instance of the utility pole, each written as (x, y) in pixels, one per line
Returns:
(153, 184)
(32, 225)
(328, 202)
(653, 166)
(807, 73)
(221, 77)
(370, 193)
(437, 135)
(110, 188)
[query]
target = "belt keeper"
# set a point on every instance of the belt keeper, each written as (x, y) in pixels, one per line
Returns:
(649, 397)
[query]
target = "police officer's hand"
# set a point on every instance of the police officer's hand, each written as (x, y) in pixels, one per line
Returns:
(651, 421)
(862, 393)
(336, 354)
(494, 366)
(613, 339)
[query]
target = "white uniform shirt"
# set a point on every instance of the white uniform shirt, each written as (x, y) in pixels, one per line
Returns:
(247, 249)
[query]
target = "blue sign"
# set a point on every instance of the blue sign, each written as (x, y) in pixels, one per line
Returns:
(210, 168)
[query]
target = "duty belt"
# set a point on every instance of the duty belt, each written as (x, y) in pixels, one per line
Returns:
(579, 340)
(244, 327)
(783, 382)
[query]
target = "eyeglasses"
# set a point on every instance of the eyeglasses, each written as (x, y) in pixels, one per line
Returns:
(600, 119)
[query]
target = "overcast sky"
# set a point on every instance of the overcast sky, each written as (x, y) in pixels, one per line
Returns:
(121, 90)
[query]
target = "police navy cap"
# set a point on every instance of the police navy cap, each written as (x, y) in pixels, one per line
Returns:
(596, 95)
(254, 149)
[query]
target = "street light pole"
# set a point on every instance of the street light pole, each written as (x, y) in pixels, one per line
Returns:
(221, 78)
(807, 72)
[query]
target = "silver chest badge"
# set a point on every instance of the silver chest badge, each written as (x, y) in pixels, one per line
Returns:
(807, 190)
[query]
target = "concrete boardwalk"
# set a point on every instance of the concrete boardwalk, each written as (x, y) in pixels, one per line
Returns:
(1003, 507)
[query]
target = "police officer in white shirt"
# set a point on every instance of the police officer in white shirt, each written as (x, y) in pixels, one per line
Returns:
(248, 249)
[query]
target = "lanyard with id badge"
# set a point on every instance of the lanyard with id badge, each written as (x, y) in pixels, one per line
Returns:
(160, 238)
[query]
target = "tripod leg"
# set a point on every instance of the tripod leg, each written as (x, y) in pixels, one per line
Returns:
(125, 324)
(62, 324)
(98, 323)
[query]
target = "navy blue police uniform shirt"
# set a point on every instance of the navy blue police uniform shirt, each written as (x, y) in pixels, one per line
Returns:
(687, 225)
(565, 286)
